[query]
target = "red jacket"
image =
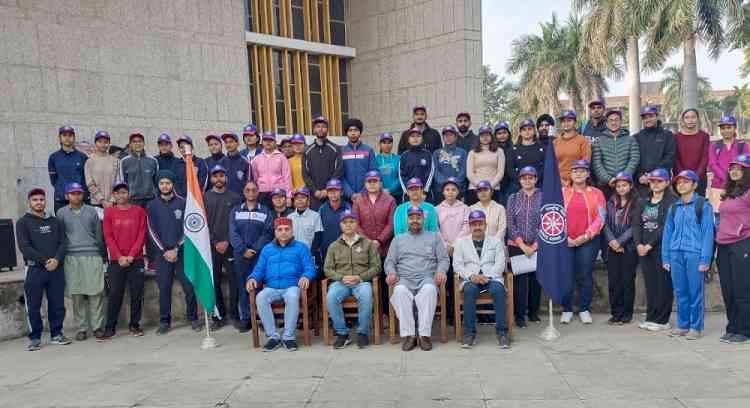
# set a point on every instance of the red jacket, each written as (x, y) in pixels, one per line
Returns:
(125, 231)
(375, 219)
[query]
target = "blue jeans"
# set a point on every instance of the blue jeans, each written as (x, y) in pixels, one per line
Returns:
(471, 293)
(264, 300)
(584, 259)
(688, 288)
(337, 292)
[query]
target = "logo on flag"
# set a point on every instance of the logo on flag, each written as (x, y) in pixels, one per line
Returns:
(553, 223)
(194, 222)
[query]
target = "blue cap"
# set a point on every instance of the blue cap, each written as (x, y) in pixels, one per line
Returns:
(268, 135)
(528, 171)
(101, 134)
(613, 112)
(334, 184)
(580, 164)
(568, 114)
(303, 190)
(451, 180)
(743, 160)
(484, 129)
(278, 191)
(502, 125)
(230, 135)
(298, 138)
(218, 168)
(372, 175)
(527, 123)
(66, 129)
(249, 129)
(415, 211)
(386, 136)
(74, 188)
(185, 139)
(477, 215)
(212, 136)
(624, 176)
(728, 120)
(347, 215)
(286, 140)
(687, 174)
(164, 138)
(414, 182)
(449, 129)
(118, 185)
(659, 174)
(484, 184)
(320, 119)
(414, 130)
(649, 110)
(598, 101)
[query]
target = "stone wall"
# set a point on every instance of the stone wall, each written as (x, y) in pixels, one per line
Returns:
(414, 52)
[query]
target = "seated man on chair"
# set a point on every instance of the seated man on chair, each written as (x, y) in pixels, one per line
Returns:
(285, 268)
(416, 265)
(352, 261)
(479, 259)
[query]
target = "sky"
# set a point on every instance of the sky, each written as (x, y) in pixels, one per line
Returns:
(501, 24)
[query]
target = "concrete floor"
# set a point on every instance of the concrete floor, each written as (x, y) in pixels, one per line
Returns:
(593, 366)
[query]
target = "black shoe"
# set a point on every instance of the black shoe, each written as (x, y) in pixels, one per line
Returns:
(342, 340)
(535, 319)
(290, 345)
(468, 341)
(271, 345)
(363, 341)
(520, 323)
(626, 320)
(98, 334)
(106, 336)
(196, 325)
(613, 321)
(59, 340)
(726, 337)
(81, 336)
(162, 330)
(217, 324)
(503, 341)
(739, 339)
(242, 327)
(34, 345)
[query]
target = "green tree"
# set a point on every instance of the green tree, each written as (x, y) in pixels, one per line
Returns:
(673, 88)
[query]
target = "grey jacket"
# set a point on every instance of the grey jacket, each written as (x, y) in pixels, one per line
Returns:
(416, 258)
(139, 171)
(611, 154)
(83, 231)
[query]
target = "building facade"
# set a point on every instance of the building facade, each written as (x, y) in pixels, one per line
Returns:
(201, 66)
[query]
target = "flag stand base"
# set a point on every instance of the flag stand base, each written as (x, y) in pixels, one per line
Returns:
(208, 342)
(550, 333)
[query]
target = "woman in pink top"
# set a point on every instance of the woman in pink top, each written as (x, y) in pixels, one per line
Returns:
(486, 161)
(271, 170)
(733, 238)
(453, 215)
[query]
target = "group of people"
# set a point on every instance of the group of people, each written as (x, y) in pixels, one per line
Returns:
(443, 204)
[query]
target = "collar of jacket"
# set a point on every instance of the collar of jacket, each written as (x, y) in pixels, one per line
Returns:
(165, 155)
(256, 208)
(46, 215)
(620, 133)
(357, 238)
(278, 244)
(174, 195)
(681, 202)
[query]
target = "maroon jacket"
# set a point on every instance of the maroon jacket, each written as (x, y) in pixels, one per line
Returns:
(375, 220)
(692, 153)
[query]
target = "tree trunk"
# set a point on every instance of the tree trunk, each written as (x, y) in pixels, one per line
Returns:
(634, 85)
(690, 74)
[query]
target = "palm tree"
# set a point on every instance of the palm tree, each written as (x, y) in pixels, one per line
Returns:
(552, 63)
(673, 88)
(680, 24)
(611, 30)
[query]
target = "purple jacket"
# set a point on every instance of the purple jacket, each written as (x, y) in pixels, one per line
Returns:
(718, 163)
(524, 219)
(734, 225)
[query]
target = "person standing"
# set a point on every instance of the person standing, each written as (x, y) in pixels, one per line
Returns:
(238, 170)
(388, 166)
(66, 165)
(450, 162)
(719, 156)
(138, 171)
(597, 123)
(180, 186)
(733, 241)
(496, 219)
(101, 170)
(485, 162)
(648, 225)
(686, 252)
(544, 125)
(280, 204)
(416, 162)
(252, 144)
(321, 162)
(430, 136)
(416, 195)
(216, 153)
(271, 169)
(295, 162)
(358, 158)
(165, 228)
(505, 142)
(453, 218)
(41, 240)
(614, 151)
(219, 203)
(692, 148)
(657, 148)
(524, 221)
(84, 265)
(529, 151)
(286, 147)
(570, 146)
(330, 215)
(465, 136)
(166, 158)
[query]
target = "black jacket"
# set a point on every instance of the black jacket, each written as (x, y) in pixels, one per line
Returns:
(218, 208)
(520, 156)
(467, 142)
(321, 163)
(430, 139)
(658, 149)
(165, 220)
(643, 235)
(40, 239)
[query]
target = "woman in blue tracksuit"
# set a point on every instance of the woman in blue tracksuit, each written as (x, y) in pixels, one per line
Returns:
(687, 247)
(416, 162)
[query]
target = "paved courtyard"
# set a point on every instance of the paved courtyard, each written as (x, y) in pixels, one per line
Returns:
(595, 366)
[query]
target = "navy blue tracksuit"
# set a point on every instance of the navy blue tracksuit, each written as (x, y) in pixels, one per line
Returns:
(41, 239)
(66, 167)
(180, 187)
(165, 231)
(238, 172)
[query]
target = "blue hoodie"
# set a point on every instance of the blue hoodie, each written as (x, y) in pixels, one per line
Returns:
(331, 220)
(450, 161)
(358, 160)
(281, 267)
(683, 233)
(66, 167)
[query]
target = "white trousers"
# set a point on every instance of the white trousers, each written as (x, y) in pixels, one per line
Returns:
(403, 300)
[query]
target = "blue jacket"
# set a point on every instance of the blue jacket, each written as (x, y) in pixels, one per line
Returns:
(450, 161)
(246, 153)
(416, 163)
(358, 160)
(281, 267)
(249, 229)
(66, 167)
(167, 162)
(213, 160)
(388, 166)
(165, 222)
(331, 224)
(683, 233)
(238, 172)
(180, 186)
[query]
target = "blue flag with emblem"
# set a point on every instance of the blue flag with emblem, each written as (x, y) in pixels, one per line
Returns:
(555, 259)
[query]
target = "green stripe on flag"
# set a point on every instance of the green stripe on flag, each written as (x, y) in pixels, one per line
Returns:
(200, 275)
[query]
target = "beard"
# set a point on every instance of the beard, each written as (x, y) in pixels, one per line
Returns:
(463, 129)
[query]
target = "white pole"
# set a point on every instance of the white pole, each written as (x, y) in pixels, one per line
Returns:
(208, 342)
(550, 333)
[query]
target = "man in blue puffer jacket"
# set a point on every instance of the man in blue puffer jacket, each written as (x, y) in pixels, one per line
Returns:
(285, 268)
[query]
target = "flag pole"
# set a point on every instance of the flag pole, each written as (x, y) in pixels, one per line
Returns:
(208, 342)
(550, 333)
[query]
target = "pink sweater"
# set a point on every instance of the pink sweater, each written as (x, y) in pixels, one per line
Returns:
(735, 220)
(453, 221)
(486, 165)
(272, 171)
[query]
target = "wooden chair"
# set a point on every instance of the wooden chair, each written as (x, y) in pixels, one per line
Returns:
(483, 299)
(440, 312)
(350, 310)
(308, 311)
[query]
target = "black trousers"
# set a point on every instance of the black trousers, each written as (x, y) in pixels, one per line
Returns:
(734, 275)
(659, 291)
(118, 277)
(222, 264)
(527, 293)
(621, 276)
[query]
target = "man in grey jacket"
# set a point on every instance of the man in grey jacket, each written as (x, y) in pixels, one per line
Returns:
(416, 265)
(139, 171)
(84, 262)
(614, 151)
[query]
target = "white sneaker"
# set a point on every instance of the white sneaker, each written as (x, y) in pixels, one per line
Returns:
(655, 327)
(585, 317)
(645, 325)
(566, 317)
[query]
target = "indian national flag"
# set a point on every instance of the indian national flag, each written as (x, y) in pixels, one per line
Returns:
(198, 266)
